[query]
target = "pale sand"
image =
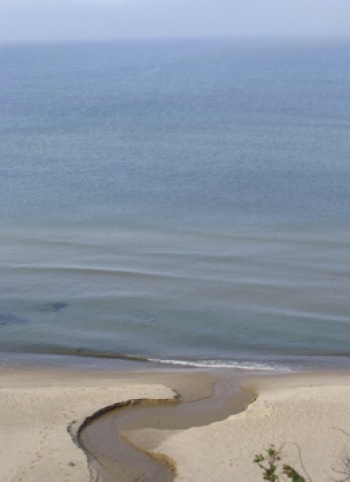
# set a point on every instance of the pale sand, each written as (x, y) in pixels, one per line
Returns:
(311, 412)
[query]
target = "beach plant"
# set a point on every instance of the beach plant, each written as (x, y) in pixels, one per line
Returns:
(269, 463)
(292, 474)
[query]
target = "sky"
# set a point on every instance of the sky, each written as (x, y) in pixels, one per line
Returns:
(65, 20)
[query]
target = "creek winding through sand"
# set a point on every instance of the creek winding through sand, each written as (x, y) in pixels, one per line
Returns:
(105, 441)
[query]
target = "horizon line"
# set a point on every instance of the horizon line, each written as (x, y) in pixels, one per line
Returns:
(62, 41)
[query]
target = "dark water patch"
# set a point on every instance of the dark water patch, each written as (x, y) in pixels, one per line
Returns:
(24, 360)
(54, 350)
(10, 318)
(51, 307)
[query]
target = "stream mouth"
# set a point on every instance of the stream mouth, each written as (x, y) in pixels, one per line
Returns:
(114, 455)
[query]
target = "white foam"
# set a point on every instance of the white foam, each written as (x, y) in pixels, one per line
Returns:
(223, 364)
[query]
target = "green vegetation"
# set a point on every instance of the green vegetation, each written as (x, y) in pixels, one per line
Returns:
(270, 464)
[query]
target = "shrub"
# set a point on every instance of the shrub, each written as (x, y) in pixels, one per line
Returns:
(270, 466)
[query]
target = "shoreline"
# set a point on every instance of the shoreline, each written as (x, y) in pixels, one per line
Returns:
(311, 410)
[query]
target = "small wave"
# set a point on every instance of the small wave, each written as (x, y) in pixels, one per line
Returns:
(224, 364)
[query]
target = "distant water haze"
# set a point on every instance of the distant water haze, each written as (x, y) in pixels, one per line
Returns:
(87, 20)
(182, 200)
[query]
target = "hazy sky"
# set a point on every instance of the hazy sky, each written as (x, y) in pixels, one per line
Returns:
(33, 20)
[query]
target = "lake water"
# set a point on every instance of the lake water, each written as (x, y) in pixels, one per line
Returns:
(185, 201)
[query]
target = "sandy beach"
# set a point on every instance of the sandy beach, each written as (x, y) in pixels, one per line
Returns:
(306, 416)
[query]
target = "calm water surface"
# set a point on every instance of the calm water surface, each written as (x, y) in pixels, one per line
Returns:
(182, 201)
